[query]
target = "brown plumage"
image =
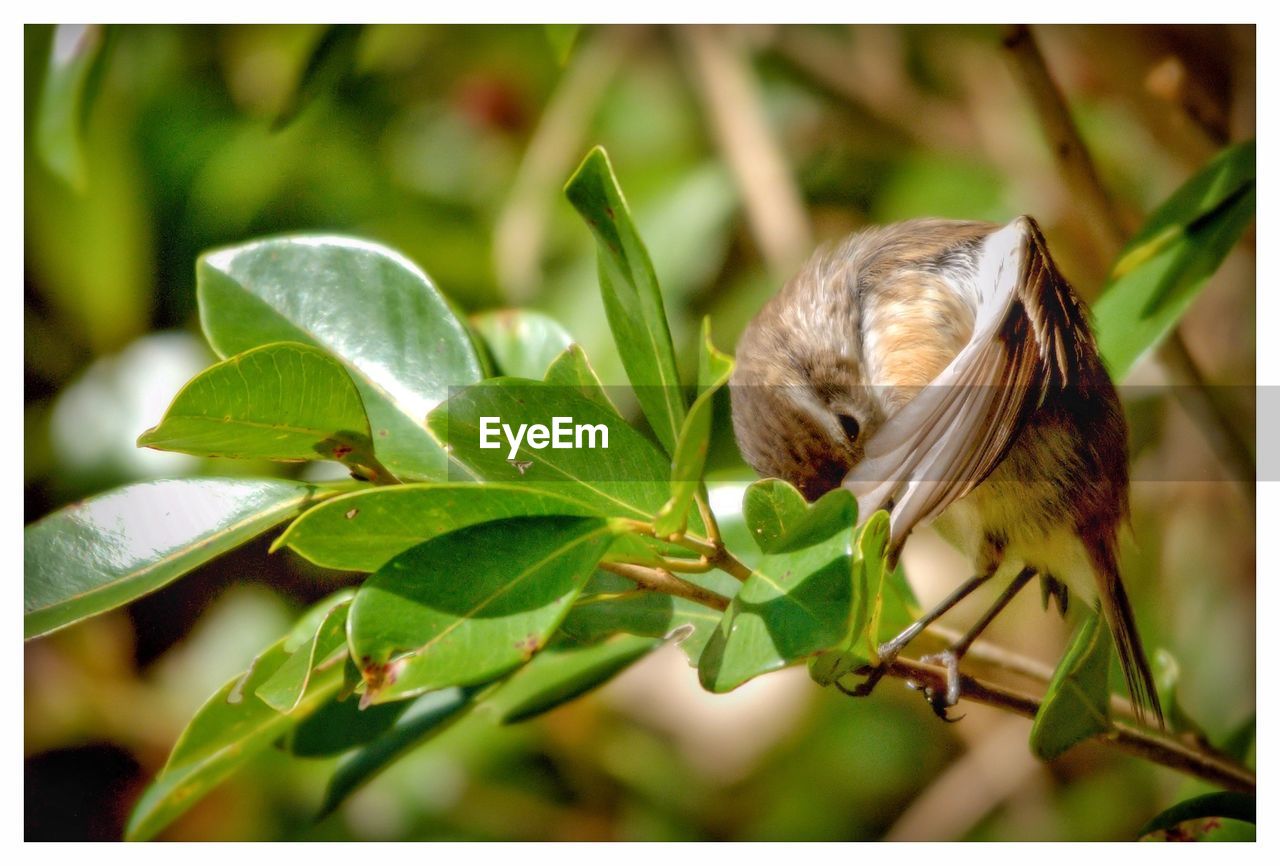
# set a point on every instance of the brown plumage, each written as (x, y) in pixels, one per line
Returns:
(946, 371)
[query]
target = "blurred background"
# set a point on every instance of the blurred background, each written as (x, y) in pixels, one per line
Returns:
(740, 149)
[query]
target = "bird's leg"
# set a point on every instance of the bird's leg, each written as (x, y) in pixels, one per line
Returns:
(950, 657)
(888, 651)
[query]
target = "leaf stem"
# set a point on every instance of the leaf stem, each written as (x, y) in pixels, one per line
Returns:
(715, 553)
(661, 580)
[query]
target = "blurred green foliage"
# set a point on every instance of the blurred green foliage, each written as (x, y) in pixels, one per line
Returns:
(450, 144)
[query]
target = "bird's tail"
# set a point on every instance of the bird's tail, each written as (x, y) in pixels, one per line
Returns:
(1124, 630)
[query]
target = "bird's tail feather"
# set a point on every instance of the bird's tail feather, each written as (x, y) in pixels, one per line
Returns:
(1124, 630)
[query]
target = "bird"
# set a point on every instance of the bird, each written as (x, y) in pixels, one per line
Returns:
(947, 372)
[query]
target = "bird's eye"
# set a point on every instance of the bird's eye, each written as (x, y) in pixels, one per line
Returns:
(849, 424)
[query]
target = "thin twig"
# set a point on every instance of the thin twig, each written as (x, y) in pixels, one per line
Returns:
(660, 580)
(1158, 747)
(1127, 735)
(716, 554)
(1080, 175)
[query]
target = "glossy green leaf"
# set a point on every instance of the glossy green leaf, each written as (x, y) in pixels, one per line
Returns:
(610, 605)
(340, 726)
(1205, 818)
(626, 479)
(1163, 268)
(106, 551)
(771, 507)
(522, 342)
(795, 604)
(860, 645)
(231, 728)
(779, 519)
(331, 59)
(572, 369)
(714, 368)
(369, 307)
(283, 401)
(564, 672)
(320, 642)
(466, 607)
(429, 715)
(632, 299)
(362, 531)
(873, 547)
(1077, 704)
(70, 82)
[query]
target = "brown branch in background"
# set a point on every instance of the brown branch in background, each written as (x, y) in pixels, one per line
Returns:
(1069, 153)
(520, 228)
(1080, 175)
(1158, 747)
(660, 580)
(863, 67)
(736, 114)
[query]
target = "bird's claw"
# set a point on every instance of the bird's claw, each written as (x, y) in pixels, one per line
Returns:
(886, 654)
(941, 700)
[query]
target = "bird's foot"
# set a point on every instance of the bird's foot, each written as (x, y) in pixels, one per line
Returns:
(886, 653)
(942, 700)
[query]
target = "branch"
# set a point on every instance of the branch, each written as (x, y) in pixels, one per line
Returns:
(1127, 735)
(1157, 747)
(1080, 176)
(660, 580)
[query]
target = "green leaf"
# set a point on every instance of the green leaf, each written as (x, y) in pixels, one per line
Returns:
(1199, 819)
(795, 604)
(1163, 268)
(363, 530)
(571, 369)
(1167, 673)
(230, 729)
(283, 401)
(779, 519)
(632, 299)
(332, 59)
(609, 606)
(562, 673)
(623, 480)
(365, 305)
(714, 369)
(771, 507)
(319, 641)
(522, 342)
(340, 726)
(873, 547)
(76, 60)
(861, 643)
(106, 551)
(429, 715)
(466, 607)
(1077, 704)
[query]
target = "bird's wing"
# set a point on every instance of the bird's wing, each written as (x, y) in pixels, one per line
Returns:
(1029, 336)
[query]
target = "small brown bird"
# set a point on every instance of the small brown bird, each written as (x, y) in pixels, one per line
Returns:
(946, 371)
